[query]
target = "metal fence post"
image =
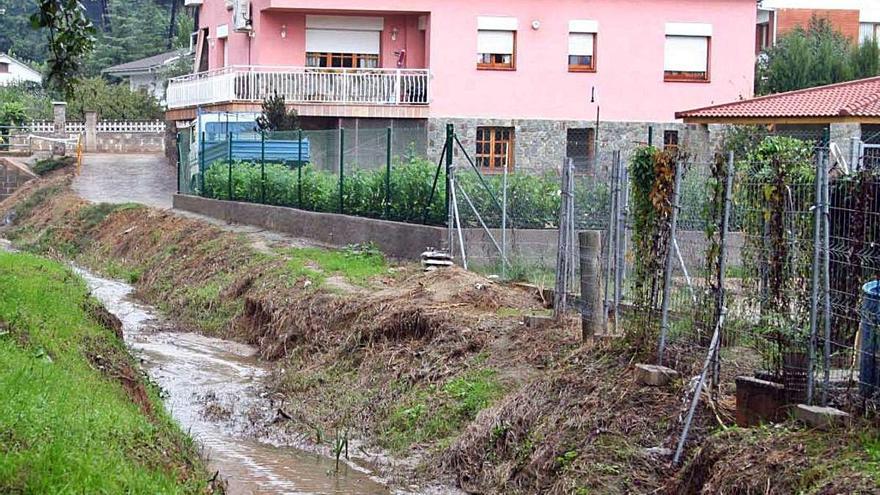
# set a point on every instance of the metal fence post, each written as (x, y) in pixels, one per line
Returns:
(388, 174)
(504, 224)
(450, 133)
(667, 270)
(299, 174)
(826, 275)
(814, 290)
(202, 164)
(263, 167)
(229, 160)
(341, 170)
(179, 159)
(610, 246)
(620, 257)
(722, 266)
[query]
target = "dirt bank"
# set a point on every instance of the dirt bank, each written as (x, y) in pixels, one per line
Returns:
(435, 369)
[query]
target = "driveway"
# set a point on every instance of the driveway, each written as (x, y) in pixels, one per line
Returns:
(128, 178)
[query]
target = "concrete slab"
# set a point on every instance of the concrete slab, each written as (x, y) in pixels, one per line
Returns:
(759, 401)
(822, 418)
(654, 375)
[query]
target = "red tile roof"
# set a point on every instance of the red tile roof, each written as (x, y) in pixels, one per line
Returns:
(859, 98)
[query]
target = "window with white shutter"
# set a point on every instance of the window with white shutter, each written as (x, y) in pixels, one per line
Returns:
(582, 45)
(686, 53)
(343, 41)
(496, 43)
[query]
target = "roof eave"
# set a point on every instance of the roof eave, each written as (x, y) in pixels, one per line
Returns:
(837, 119)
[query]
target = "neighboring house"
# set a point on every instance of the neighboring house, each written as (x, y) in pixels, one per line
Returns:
(857, 19)
(847, 113)
(524, 81)
(148, 74)
(13, 71)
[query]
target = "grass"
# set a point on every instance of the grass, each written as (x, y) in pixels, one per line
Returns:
(437, 414)
(356, 263)
(65, 426)
(46, 165)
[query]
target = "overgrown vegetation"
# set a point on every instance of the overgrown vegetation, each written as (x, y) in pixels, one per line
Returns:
(815, 56)
(74, 407)
(46, 165)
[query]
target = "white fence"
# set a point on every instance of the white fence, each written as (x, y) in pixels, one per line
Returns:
(104, 126)
(302, 85)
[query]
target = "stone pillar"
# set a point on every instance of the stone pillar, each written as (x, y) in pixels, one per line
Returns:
(91, 137)
(59, 111)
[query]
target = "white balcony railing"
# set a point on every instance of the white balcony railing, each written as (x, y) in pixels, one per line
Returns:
(301, 85)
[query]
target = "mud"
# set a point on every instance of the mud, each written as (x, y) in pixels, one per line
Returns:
(213, 388)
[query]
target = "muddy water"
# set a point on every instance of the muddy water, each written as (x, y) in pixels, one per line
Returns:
(212, 378)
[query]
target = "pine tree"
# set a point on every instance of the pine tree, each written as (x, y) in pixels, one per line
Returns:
(276, 117)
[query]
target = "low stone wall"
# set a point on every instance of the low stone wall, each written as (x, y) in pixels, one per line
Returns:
(105, 142)
(12, 176)
(396, 239)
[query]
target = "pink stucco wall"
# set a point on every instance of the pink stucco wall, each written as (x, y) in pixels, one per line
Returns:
(630, 44)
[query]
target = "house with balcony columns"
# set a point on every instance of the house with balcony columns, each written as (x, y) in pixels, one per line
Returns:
(526, 82)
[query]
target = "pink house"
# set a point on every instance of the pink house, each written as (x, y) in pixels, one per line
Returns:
(526, 82)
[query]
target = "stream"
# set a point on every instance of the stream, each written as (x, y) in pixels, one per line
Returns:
(195, 372)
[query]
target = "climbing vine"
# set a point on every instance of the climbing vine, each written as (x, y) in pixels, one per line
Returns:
(652, 173)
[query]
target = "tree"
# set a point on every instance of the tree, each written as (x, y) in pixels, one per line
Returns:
(70, 38)
(276, 117)
(814, 56)
(112, 101)
(17, 38)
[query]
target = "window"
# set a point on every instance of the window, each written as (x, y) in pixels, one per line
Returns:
(495, 149)
(4, 67)
(580, 146)
(582, 45)
(496, 43)
(686, 56)
(868, 31)
(670, 140)
(762, 37)
(351, 60)
(343, 41)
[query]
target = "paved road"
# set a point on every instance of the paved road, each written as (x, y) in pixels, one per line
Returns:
(138, 178)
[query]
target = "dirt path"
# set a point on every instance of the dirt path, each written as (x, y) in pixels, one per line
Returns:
(117, 178)
(149, 180)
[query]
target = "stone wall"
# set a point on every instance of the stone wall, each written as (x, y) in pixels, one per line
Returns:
(12, 176)
(540, 145)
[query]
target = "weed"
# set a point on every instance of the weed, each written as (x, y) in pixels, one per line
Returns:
(46, 165)
(357, 265)
(38, 197)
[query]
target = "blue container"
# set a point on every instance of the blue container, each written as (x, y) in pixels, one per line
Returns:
(869, 374)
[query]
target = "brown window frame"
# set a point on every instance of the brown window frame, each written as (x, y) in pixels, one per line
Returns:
(354, 57)
(693, 77)
(486, 157)
(4, 67)
(497, 65)
(583, 67)
(670, 140)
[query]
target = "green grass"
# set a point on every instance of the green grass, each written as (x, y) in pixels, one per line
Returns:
(357, 263)
(46, 165)
(66, 427)
(38, 197)
(437, 414)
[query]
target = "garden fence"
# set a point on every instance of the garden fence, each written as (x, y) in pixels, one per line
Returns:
(781, 247)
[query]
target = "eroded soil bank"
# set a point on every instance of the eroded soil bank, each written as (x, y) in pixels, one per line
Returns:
(433, 373)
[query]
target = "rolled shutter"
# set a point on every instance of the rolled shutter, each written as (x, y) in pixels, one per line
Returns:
(497, 42)
(342, 41)
(580, 44)
(686, 54)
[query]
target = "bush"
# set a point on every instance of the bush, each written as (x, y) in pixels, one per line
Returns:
(533, 200)
(43, 167)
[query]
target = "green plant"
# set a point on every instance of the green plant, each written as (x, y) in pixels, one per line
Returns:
(46, 165)
(276, 116)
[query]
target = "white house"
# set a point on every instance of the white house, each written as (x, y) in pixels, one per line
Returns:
(147, 73)
(13, 71)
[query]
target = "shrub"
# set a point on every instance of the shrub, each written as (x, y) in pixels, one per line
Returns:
(43, 167)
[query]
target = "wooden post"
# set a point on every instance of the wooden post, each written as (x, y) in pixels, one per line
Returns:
(592, 317)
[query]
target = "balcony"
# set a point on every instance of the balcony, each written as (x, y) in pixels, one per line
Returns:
(301, 85)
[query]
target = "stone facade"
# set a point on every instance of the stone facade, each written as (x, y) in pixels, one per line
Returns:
(541, 145)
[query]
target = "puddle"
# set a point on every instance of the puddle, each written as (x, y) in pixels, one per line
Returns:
(206, 378)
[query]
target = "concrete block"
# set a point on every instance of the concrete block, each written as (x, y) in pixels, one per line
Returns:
(654, 375)
(822, 418)
(759, 401)
(537, 322)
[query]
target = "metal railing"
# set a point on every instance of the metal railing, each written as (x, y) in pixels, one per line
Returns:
(302, 85)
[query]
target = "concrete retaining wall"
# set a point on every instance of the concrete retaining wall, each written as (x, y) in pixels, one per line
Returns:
(397, 240)
(105, 142)
(12, 176)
